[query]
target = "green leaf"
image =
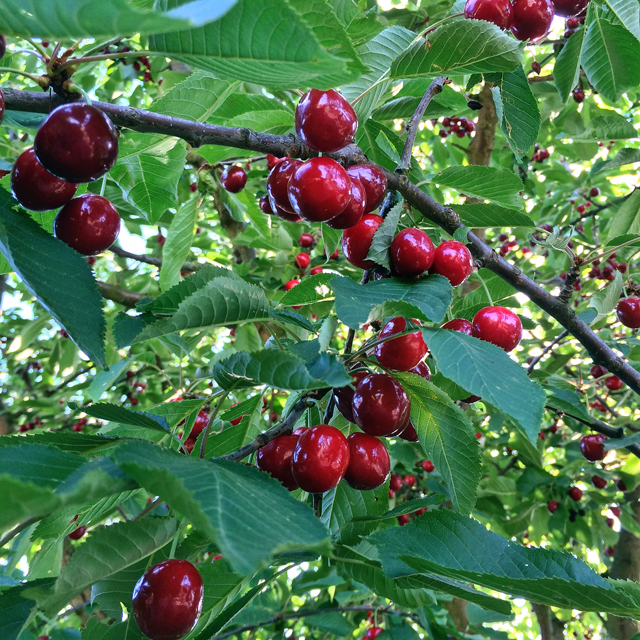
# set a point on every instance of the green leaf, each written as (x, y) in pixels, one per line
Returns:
(331, 239)
(122, 415)
(15, 612)
(627, 219)
(567, 68)
(383, 237)
(178, 244)
(459, 47)
(487, 371)
(604, 301)
(491, 215)
(310, 290)
(105, 379)
(79, 443)
(96, 630)
(213, 495)
(447, 437)
(623, 157)
(628, 13)
(613, 127)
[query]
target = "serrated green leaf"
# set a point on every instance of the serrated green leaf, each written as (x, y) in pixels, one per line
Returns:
(623, 157)
(15, 612)
(383, 237)
(310, 290)
(605, 300)
(567, 68)
(178, 244)
(70, 441)
(491, 215)
(613, 127)
(628, 13)
(122, 415)
(105, 379)
(627, 219)
(96, 630)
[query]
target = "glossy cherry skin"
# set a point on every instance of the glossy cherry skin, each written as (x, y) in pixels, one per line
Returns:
(37, 189)
(167, 600)
(497, 11)
(453, 261)
(373, 180)
(77, 142)
(613, 383)
(409, 433)
(460, 325)
(628, 312)
(597, 371)
(265, 206)
(598, 482)
(356, 241)
(305, 240)
(403, 353)
(411, 253)
(592, 447)
(275, 458)
(285, 215)
(369, 462)
(319, 189)
(381, 406)
(278, 184)
(302, 260)
(422, 369)
(552, 505)
(575, 493)
(498, 325)
(531, 18)
(325, 121)
(428, 466)
(344, 396)
(89, 224)
(373, 633)
(569, 8)
(354, 210)
(233, 179)
(395, 482)
(320, 459)
(202, 420)
(78, 533)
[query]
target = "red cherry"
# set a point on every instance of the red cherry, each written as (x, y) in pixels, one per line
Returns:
(344, 396)
(531, 18)
(278, 184)
(37, 189)
(498, 325)
(592, 447)
(403, 353)
(411, 253)
(427, 466)
(319, 190)
(320, 459)
(409, 433)
(568, 8)
(552, 505)
(453, 261)
(78, 533)
(285, 215)
(233, 179)
(395, 482)
(77, 142)
(89, 224)
(355, 209)
(202, 420)
(368, 462)
(305, 240)
(290, 284)
(325, 121)
(265, 206)
(302, 260)
(575, 494)
(613, 383)
(167, 600)
(316, 270)
(598, 482)
(581, 208)
(594, 192)
(578, 95)
(381, 406)
(460, 325)
(422, 369)
(403, 519)
(373, 180)
(410, 480)
(496, 11)
(610, 522)
(275, 458)
(597, 371)
(356, 241)
(272, 161)
(616, 511)
(374, 632)
(628, 312)
(299, 431)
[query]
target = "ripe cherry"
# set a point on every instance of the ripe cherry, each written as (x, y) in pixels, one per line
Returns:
(37, 189)
(167, 600)
(320, 459)
(598, 482)
(373, 632)
(285, 215)
(325, 121)
(598, 371)
(381, 406)
(628, 312)
(453, 261)
(497, 11)
(319, 189)
(403, 519)
(613, 383)
(409, 433)
(356, 241)
(610, 522)
(290, 284)
(355, 209)
(77, 142)
(275, 458)
(411, 253)
(531, 18)
(569, 8)
(594, 192)
(575, 493)
(89, 224)
(403, 353)
(578, 95)
(460, 325)
(265, 206)
(305, 240)
(373, 180)
(78, 533)
(592, 447)
(368, 462)
(422, 369)
(272, 161)
(233, 179)
(316, 270)
(498, 325)
(201, 421)
(616, 511)
(427, 466)
(552, 505)
(278, 184)
(302, 260)
(410, 480)
(234, 423)
(344, 396)
(395, 482)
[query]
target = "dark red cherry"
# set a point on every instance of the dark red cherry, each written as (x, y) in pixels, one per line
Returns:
(403, 353)
(594, 192)
(285, 215)
(598, 371)
(319, 189)
(592, 447)
(78, 533)
(265, 205)
(497, 11)
(2, 107)
(411, 253)
(278, 184)
(3, 45)
(575, 493)
(275, 458)
(272, 161)
(325, 121)
(202, 420)
(453, 261)
(381, 406)
(552, 505)
(422, 369)
(498, 325)
(368, 462)
(344, 396)
(305, 240)
(531, 19)
(302, 260)
(409, 433)
(355, 209)
(395, 482)
(77, 142)
(167, 600)
(320, 459)
(613, 383)
(569, 8)
(37, 189)
(427, 466)
(578, 95)
(89, 224)
(628, 312)
(290, 284)
(621, 487)
(460, 325)
(373, 633)
(233, 179)
(598, 482)
(373, 180)
(356, 241)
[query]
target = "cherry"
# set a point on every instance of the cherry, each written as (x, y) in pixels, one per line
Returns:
(275, 458)
(575, 493)
(581, 208)
(578, 95)
(325, 121)
(167, 600)
(373, 632)
(628, 312)
(409, 433)
(410, 480)
(344, 396)
(272, 161)
(265, 206)
(300, 430)
(316, 270)
(411, 253)
(610, 522)
(2, 107)
(403, 353)
(422, 369)
(498, 325)
(368, 462)
(320, 459)
(427, 466)
(453, 261)
(395, 482)
(285, 215)
(592, 447)
(77, 142)
(290, 284)
(460, 325)
(613, 383)
(597, 371)
(594, 192)
(531, 18)
(552, 505)
(233, 179)
(278, 184)
(3, 45)
(373, 180)
(381, 406)
(302, 260)
(569, 8)
(37, 189)
(403, 519)
(497, 11)
(356, 241)
(598, 482)
(572, 23)
(319, 190)
(305, 240)
(354, 210)
(201, 421)
(89, 224)
(616, 511)
(78, 533)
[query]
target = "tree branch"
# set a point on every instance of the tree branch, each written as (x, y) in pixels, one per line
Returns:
(126, 298)
(156, 262)
(546, 350)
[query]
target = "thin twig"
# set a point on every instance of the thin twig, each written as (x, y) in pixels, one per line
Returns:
(597, 209)
(546, 350)
(148, 509)
(156, 262)
(16, 530)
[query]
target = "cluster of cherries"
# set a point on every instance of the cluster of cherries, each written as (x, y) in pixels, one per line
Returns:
(460, 127)
(29, 426)
(606, 271)
(540, 155)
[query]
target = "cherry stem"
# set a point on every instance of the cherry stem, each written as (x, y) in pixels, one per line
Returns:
(435, 25)
(106, 56)
(212, 417)
(17, 72)
(486, 289)
(610, 250)
(38, 47)
(102, 45)
(377, 83)
(148, 509)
